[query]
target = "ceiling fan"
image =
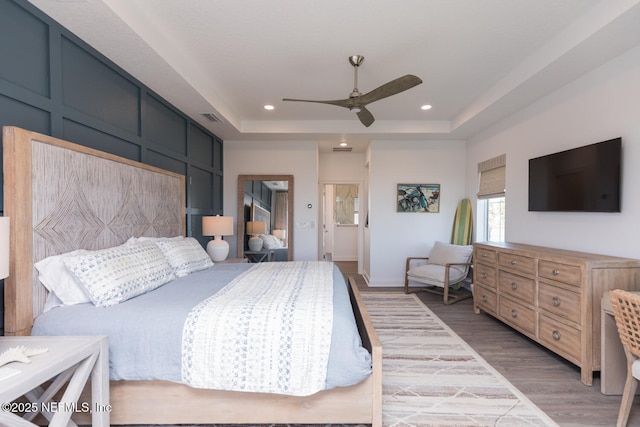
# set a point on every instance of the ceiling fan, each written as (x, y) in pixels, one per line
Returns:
(357, 101)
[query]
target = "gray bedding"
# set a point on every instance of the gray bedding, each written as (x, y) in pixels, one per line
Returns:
(145, 332)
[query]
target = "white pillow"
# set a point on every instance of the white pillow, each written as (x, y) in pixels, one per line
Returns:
(114, 275)
(443, 253)
(54, 276)
(151, 239)
(185, 255)
(270, 241)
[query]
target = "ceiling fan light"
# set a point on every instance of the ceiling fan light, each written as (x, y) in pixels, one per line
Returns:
(355, 109)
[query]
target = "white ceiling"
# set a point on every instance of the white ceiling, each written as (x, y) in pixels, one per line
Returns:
(479, 60)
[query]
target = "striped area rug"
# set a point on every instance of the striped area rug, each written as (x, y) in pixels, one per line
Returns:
(431, 377)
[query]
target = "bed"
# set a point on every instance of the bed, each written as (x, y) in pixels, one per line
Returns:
(54, 193)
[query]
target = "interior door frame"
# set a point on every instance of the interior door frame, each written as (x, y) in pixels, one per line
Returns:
(361, 219)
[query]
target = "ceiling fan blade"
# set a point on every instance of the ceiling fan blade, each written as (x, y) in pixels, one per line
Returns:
(393, 87)
(346, 103)
(365, 117)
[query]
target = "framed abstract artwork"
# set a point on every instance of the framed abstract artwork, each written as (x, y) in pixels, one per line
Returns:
(258, 213)
(418, 198)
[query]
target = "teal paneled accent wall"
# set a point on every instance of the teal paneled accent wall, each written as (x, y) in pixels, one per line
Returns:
(54, 83)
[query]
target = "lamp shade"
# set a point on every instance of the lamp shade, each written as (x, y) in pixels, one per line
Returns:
(4, 247)
(217, 225)
(256, 227)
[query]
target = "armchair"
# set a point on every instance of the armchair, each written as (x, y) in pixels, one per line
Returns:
(443, 271)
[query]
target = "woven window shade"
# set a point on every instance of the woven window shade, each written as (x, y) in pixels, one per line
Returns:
(492, 177)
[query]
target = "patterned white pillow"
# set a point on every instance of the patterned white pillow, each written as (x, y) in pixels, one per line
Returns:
(114, 275)
(151, 239)
(270, 241)
(185, 255)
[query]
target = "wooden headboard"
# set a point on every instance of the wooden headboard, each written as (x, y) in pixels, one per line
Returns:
(62, 196)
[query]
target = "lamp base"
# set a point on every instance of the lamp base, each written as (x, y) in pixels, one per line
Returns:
(255, 243)
(218, 249)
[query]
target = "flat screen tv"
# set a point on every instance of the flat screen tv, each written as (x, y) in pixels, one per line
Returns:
(583, 179)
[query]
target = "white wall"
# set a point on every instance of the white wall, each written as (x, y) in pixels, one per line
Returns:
(393, 236)
(601, 105)
(297, 158)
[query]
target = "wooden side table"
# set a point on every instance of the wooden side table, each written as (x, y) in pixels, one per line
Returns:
(69, 360)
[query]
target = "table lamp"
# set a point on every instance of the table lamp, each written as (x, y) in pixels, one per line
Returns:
(254, 228)
(217, 226)
(4, 247)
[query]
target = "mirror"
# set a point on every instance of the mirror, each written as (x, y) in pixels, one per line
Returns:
(267, 198)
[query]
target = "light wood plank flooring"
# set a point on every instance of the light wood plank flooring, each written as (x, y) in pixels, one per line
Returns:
(546, 379)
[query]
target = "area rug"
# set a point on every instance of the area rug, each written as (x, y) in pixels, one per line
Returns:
(431, 377)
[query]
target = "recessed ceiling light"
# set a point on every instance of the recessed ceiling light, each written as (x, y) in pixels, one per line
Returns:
(426, 107)
(269, 107)
(343, 144)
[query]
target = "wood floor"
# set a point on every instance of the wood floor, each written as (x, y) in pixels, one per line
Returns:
(546, 379)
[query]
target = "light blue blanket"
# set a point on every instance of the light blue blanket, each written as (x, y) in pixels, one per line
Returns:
(145, 332)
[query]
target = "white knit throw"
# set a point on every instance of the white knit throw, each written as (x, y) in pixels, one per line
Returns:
(269, 331)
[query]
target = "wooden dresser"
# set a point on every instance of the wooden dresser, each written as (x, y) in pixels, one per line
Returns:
(551, 295)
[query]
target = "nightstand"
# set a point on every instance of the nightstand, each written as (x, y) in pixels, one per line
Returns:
(69, 360)
(264, 255)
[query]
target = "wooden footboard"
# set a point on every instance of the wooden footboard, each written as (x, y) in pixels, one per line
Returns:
(163, 402)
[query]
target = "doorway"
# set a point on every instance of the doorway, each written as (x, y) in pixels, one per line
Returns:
(340, 222)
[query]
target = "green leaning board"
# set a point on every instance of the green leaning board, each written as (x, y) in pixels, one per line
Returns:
(462, 224)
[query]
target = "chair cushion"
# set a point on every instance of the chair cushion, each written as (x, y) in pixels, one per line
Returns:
(635, 369)
(443, 253)
(433, 274)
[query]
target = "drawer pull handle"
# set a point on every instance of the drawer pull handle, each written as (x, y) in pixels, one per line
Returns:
(555, 301)
(555, 272)
(484, 255)
(484, 298)
(484, 275)
(514, 286)
(513, 262)
(556, 335)
(514, 313)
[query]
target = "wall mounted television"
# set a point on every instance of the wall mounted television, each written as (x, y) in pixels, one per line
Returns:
(583, 179)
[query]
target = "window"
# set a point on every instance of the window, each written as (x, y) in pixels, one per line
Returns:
(491, 200)
(347, 204)
(494, 223)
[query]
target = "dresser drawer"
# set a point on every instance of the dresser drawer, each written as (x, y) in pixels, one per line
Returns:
(564, 273)
(485, 299)
(560, 338)
(486, 256)
(520, 263)
(519, 316)
(518, 287)
(485, 275)
(559, 301)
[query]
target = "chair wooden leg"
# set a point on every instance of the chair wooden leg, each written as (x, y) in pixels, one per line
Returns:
(628, 394)
(445, 294)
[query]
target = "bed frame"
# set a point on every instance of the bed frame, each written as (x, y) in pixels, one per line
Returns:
(62, 196)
